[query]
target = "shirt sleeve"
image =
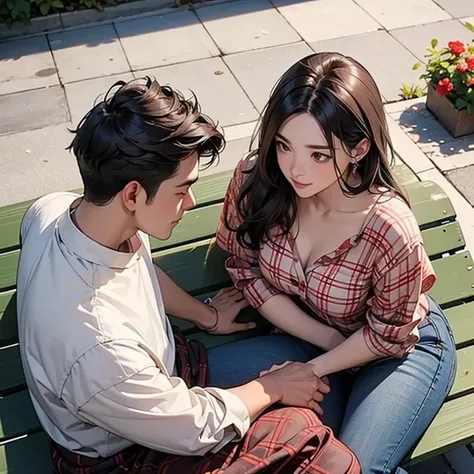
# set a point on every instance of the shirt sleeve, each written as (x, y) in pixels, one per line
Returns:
(242, 265)
(120, 388)
(402, 274)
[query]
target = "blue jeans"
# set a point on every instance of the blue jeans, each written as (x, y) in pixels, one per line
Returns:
(382, 410)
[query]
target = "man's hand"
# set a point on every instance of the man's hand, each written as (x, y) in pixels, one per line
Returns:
(228, 303)
(297, 385)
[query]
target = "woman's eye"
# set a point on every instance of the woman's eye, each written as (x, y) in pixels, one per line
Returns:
(320, 158)
(282, 147)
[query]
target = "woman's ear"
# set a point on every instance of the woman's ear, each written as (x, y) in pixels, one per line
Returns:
(361, 149)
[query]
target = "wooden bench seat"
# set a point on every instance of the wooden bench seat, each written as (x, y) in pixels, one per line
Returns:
(192, 260)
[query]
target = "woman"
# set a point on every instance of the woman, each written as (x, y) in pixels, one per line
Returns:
(324, 244)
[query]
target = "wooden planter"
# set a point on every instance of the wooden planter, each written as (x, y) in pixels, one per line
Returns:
(458, 122)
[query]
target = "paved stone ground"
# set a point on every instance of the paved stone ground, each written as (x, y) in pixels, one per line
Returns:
(230, 54)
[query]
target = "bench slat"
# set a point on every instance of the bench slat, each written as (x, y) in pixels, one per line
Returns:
(453, 426)
(464, 382)
(430, 205)
(207, 190)
(455, 281)
(11, 369)
(446, 238)
(461, 320)
(18, 416)
(29, 455)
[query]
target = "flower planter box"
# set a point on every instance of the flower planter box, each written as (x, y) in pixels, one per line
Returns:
(457, 122)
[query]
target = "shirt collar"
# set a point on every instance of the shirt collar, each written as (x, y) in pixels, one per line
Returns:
(90, 250)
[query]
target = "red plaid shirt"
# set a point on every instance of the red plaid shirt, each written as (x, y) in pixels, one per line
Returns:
(373, 280)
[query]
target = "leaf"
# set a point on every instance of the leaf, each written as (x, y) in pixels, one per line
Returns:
(434, 43)
(469, 26)
(56, 4)
(417, 66)
(44, 8)
(444, 64)
(22, 6)
(461, 103)
(470, 108)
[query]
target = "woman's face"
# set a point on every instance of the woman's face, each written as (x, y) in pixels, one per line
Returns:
(305, 158)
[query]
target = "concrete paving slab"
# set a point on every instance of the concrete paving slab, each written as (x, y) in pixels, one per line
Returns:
(386, 59)
(81, 96)
(36, 163)
(258, 71)
(423, 128)
(453, 155)
(418, 38)
(30, 110)
(317, 20)
(457, 8)
(462, 180)
(88, 52)
(160, 40)
(398, 14)
(26, 64)
(219, 94)
(246, 25)
(234, 151)
(409, 152)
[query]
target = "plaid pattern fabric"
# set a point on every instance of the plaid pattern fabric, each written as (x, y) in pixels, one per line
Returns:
(372, 280)
(283, 441)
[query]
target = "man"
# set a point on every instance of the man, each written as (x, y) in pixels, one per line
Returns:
(115, 389)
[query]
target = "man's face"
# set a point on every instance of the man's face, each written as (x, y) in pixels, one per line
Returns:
(173, 198)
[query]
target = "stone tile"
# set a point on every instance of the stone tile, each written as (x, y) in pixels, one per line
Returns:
(407, 150)
(217, 91)
(398, 14)
(258, 71)
(246, 25)
(423, 128)
(415, 104)
(454, 154)
(457, 8)
(462, 179)
(26, 64)
(317, 20)
(464, 210)
(160, 40)
(30, 110)
(35, 163)
(386, 59)
(81, 96)
(234, 151)
(418, 38)
(88, 52)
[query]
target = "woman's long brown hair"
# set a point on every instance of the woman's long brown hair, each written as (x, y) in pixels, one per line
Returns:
(343, 97)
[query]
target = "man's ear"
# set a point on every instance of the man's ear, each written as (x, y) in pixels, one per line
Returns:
(129, 195)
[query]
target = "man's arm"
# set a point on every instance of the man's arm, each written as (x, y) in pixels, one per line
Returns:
(160, 412)
(223, 311)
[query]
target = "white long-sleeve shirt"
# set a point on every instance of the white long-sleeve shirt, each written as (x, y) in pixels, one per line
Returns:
(97, 347)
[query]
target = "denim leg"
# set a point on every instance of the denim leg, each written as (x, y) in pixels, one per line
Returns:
(240, 362)
(393, 401)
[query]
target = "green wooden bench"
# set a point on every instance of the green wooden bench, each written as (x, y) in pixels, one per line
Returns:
(198, 267)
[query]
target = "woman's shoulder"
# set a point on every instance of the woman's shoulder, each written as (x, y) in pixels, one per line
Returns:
(244, 167)
(394, 225)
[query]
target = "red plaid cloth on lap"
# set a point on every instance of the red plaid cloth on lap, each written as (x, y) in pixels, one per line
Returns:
(283, 441)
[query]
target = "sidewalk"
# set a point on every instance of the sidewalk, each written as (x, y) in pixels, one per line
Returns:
(230, 54)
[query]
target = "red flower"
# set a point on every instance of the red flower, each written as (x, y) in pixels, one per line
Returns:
(444, 87)
(462, 66)
(457, 47)
(470, 63)
(470, 82)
